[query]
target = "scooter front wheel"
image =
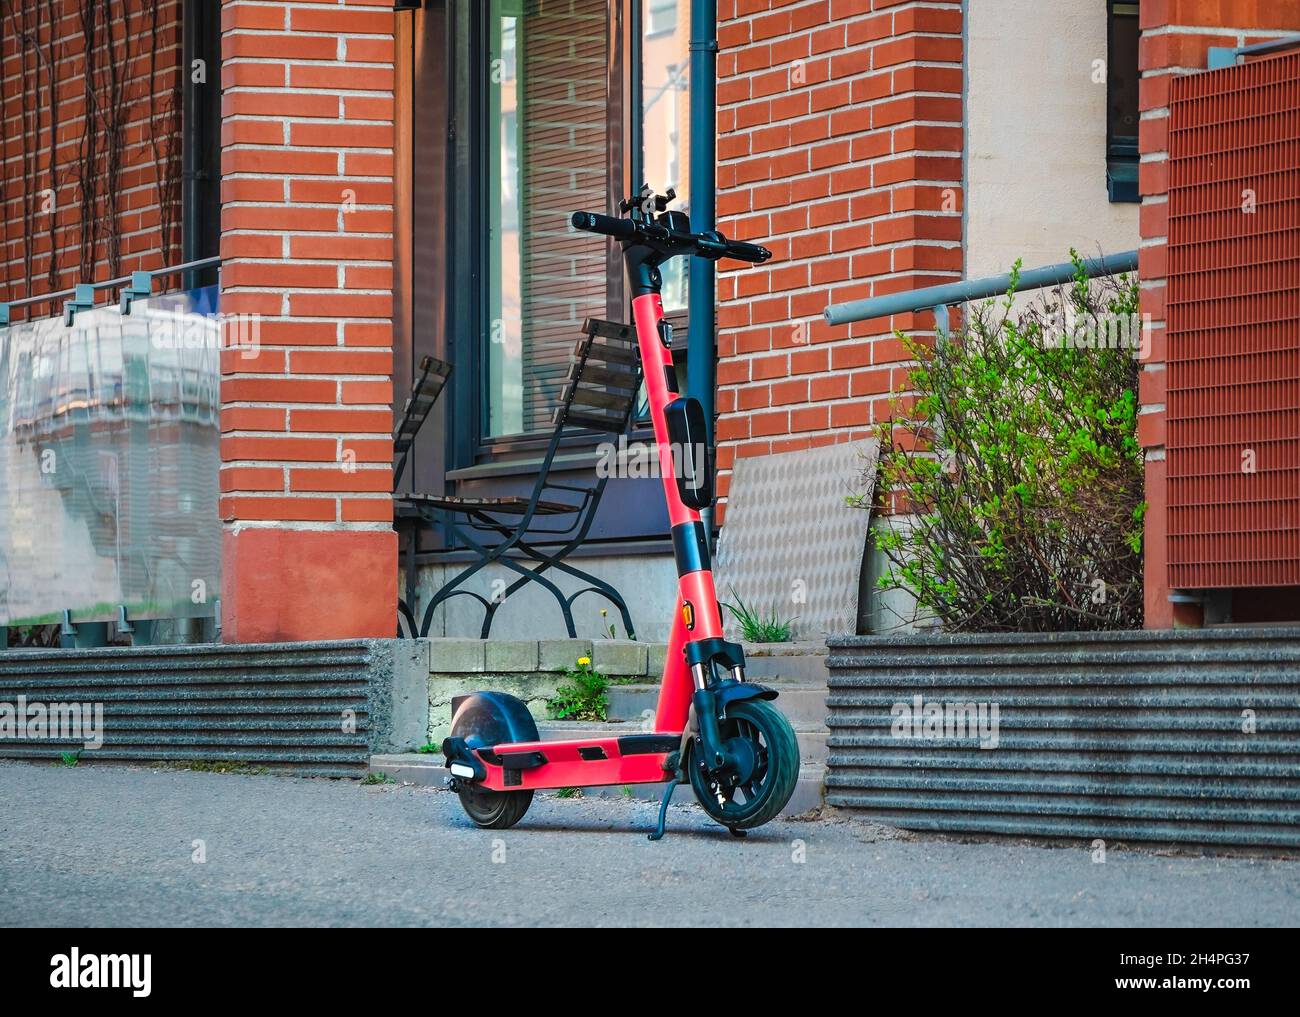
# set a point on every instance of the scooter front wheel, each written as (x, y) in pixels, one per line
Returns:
(494, 810)
(748, 799)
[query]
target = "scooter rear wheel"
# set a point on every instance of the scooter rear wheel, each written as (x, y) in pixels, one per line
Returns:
(764, 792)
(494, 810)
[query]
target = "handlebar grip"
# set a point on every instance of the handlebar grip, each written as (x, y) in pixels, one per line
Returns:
(741, 251)
(607, 225)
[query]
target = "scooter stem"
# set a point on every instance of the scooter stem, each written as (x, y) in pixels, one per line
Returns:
(696, 644)
(698, 615)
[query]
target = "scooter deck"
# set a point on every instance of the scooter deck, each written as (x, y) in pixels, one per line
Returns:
(586, 762)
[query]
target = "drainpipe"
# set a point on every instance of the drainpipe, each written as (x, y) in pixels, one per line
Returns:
(189, 156)
(701, 370)
(200, 155)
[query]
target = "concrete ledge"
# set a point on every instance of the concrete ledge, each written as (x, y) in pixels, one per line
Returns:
(534, 688)
(621, 657)
(615, 657)
(527, 669)
(530, 670)
(457, 656)
(561, 654)
(511, 655)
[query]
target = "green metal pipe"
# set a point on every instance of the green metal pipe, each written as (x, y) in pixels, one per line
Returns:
(701, 357)
(975, 289)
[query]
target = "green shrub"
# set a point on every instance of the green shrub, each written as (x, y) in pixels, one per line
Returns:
(582, 695)
(1017, 455)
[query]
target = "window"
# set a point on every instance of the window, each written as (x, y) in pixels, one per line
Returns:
(201, 150)
(661, 16)
(551, 142)
(1122, 76)
(547, 149)
(665, 118)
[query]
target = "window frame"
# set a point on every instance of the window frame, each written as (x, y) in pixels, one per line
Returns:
(468, 295)
(1122, 156)
(440, 278)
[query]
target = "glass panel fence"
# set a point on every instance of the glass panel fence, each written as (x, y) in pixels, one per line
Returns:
(109, 460)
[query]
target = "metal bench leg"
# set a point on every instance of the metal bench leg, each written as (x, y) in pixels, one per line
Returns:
(412, 576)
(445, 595)
(530, 575)
(404, 611)
(597, 585)
(618, 603)
(486, 556)
(514, 538)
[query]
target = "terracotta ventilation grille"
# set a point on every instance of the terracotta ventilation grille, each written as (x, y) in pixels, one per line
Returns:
(1233, 325)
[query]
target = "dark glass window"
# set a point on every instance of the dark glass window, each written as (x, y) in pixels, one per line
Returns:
(547, 145)
(1122, 101)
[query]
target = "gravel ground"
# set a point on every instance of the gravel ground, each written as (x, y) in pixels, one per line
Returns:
(109, 846)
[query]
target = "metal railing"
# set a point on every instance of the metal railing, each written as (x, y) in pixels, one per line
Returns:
(1220, 57)
(940, 298)
(136, 286)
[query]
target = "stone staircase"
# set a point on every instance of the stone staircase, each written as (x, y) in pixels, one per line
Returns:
(797, 670)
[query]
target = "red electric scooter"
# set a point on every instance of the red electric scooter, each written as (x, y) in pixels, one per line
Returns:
(711, 727)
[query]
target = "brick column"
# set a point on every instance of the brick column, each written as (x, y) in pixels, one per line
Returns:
(840, 148)
(306, 242)
(1176, 35)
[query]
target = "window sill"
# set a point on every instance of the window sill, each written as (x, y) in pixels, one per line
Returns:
(523, 467)
(586, 459)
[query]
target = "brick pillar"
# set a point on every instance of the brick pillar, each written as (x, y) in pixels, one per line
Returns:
(1176, 35)
(840, 148)
(306, 242)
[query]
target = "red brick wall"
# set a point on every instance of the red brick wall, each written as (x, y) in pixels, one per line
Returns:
(840, 148)
(52, 189)
(1176, 37)
(307, 245)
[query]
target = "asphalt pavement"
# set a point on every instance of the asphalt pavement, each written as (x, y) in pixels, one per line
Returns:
(117, 846)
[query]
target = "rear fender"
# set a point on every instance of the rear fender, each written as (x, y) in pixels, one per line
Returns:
(482, 720)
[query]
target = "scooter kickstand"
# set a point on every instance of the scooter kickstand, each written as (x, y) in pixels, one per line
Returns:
(663, 812)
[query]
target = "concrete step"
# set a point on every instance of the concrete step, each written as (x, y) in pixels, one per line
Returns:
(412, 767)
(804, 705)
(812, 738)
(428, 770)
(786, 662)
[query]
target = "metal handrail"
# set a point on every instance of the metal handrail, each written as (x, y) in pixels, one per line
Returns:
(939, 298)
(1220, 57)
(139, 285)
(40, 298)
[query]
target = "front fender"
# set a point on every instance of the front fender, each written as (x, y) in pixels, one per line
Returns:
(728, 692)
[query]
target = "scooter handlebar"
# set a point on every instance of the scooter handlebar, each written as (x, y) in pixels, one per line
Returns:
(747, 252)
(607, 225)
(711, 245)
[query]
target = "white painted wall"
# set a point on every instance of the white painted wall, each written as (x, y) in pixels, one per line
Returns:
(1036, 137)
(648, 583)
